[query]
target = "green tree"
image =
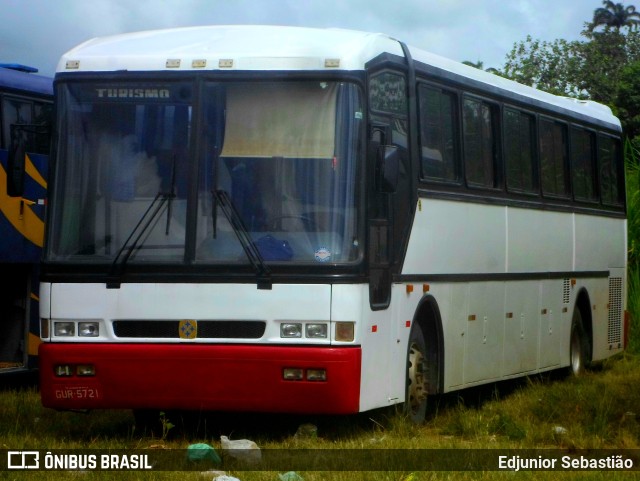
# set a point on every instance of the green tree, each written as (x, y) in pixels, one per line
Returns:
(599, 68)
(616, 16)
(628, 101)
(548, 66)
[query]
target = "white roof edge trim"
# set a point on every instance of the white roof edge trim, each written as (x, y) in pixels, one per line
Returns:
(269, 47)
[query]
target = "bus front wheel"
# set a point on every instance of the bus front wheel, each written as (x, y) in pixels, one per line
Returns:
(417, 384)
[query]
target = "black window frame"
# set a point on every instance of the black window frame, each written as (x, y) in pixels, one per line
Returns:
(455, 150)
(534, 189)
(617, 164)
(496, 141)
(578, 163)
(566, 194)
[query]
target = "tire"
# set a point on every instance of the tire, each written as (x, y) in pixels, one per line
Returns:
(579, 351)
(417, 382)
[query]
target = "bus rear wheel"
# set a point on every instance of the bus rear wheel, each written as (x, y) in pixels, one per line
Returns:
(417, 384)
(579, 346)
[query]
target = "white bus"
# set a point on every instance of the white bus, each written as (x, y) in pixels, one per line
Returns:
(277, 219)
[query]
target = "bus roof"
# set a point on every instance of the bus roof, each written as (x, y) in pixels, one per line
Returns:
(235, 47)
(259, 47)
(20, 81)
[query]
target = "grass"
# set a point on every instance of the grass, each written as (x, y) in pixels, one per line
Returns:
(600, 410)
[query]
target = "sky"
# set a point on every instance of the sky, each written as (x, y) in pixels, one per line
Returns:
(38, 32)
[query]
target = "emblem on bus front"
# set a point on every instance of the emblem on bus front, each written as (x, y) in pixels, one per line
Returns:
(188, 329)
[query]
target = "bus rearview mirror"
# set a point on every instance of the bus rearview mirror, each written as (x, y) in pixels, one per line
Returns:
(387, 166)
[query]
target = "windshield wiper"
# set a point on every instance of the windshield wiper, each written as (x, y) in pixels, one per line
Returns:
(171, 194)
(249, 247)
(141, 228)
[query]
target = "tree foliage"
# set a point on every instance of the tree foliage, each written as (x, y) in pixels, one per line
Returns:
(603, 67)
(616, 16)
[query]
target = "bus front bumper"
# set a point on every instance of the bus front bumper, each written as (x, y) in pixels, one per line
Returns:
(201, 377)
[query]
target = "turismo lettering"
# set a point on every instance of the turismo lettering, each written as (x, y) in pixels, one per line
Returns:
(141, 93)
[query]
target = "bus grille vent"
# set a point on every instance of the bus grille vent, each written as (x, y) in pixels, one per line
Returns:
(566, 291)
(207, 329)
(615, 310)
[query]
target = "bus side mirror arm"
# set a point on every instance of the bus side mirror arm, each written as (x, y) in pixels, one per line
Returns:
(387, 168)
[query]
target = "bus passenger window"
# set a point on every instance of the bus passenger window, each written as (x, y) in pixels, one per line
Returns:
(610, 166)
(519, 145)
(553, 158)
(438, 134)
(583, 164)
(480, 153)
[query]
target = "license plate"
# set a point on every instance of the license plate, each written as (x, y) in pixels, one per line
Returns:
(76, 392)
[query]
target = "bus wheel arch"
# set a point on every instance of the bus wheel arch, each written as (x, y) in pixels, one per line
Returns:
(424, 359)
(581, 336)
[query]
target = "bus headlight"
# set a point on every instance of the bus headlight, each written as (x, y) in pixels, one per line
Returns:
(290, 329)
(64, 328)
(316, 331)
(88, 329)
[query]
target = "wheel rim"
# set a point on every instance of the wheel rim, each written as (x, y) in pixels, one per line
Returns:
(417, 390)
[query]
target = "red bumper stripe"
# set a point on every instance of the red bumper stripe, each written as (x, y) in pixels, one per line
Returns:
(208, 377)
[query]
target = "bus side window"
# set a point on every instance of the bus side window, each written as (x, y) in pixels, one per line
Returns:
(16, 163)
(438, 128)
(14, 113)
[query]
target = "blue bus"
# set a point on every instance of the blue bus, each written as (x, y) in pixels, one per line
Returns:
(25, 132)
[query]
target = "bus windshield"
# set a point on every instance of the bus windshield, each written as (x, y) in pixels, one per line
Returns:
(142, 169)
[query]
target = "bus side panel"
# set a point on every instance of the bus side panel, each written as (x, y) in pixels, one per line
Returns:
(22, 218)
(554, 333)
(21, 231)
(599, 243)
(521, 327)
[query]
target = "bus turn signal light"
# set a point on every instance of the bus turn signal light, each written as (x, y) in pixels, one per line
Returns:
(345, 331)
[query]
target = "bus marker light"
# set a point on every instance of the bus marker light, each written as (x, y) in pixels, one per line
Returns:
(88, 329)
(316, 331)
(344, 331)
(292, 374)
(63, 370)
(290, 329)
(409, 288)
(64, 328)
(425, 288)
(85, 370)
(316, 374)
(44, 328)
